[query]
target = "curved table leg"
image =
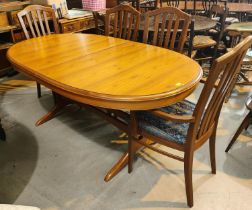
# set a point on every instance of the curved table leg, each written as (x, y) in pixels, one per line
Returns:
(60, 103)
(122, 162)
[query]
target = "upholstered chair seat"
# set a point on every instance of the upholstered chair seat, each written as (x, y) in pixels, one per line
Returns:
(172, 131)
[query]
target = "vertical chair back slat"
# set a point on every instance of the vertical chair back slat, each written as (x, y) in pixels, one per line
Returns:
(162, 32)
(125, 24)
(174, 33)
(41, 22)
(35, 18)
(131, 19)
(46, 23)
(30, 25)
(168, 31)
(156, 29)
(121, 14)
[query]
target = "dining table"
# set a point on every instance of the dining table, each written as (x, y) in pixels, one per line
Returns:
(107, 75)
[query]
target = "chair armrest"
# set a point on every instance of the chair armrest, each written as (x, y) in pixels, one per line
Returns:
(173, 117)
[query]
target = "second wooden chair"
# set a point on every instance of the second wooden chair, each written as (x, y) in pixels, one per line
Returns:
(124, 21)
(34, 21)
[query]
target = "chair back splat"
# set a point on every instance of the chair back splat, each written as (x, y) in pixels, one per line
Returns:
(34, 21)
(170, 28)
(124, 20)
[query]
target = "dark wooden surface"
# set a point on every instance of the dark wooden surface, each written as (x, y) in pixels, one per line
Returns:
(201, 23)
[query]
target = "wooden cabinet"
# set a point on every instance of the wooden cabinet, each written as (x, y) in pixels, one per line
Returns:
(77, 24)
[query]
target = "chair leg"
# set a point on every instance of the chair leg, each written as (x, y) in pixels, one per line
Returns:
(188, 162)
(212, 151)
(244, 124)
(38, 90)
(131, 154)
(2, 134)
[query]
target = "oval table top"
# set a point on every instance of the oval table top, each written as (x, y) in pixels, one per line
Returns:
(107, 72)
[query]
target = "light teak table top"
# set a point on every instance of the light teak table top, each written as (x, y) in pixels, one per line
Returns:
(107, 72)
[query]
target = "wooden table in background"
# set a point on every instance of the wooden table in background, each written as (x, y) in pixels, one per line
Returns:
(245, 29)
(233, 7)
(107, 72)
(201, 23)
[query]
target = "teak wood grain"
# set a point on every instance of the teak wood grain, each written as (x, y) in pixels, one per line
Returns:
(107, 72)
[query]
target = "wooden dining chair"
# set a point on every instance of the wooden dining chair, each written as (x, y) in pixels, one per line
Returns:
(124, 20)
(35, 22)
(207, 45)
(186, 126)
(167, 27)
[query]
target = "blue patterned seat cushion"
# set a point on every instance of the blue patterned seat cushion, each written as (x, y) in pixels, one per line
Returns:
(172, 131)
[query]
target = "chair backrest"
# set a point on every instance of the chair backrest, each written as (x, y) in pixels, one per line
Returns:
(34, 21)
(222, 74)
(169, 28)
(170, 3)
(124, 20)
(220, 12)
(207, 5)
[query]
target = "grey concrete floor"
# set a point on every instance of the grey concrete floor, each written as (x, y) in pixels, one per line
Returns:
(61, 164)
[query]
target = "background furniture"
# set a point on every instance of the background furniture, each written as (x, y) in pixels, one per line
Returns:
(170, 26)
(34, 21)
(77, 24)
(201, 23)
(6, 40)
(123, 79)
(236, 32)
(212, 39)
(185, 126)
(233, 7)
(244, 125)
(124, 21)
